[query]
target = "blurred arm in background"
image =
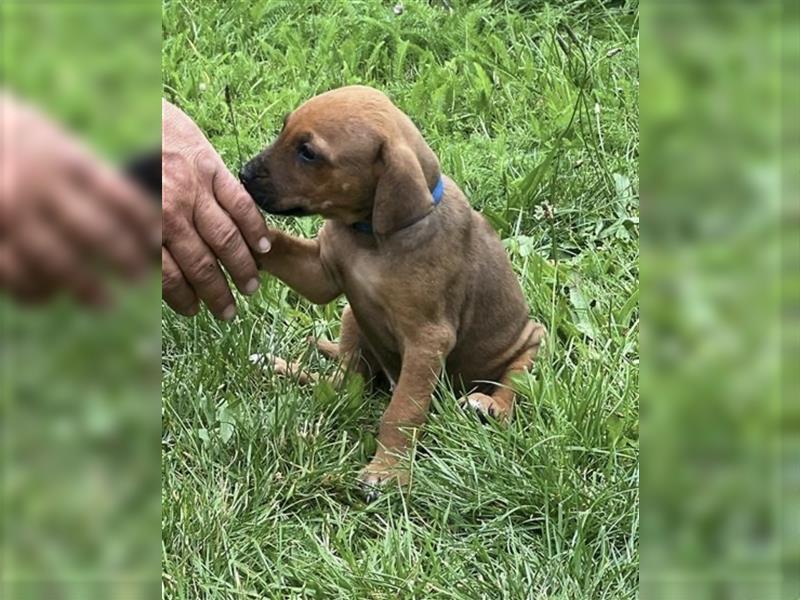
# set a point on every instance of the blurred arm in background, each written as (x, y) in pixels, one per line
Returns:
(66, 217)
(208, 219)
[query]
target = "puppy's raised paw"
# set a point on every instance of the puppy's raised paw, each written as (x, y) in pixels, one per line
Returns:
(487, 407)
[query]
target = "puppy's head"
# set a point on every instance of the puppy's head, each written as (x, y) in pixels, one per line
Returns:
(348, 154)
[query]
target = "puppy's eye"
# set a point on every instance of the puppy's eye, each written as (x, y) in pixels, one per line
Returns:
(306, 153)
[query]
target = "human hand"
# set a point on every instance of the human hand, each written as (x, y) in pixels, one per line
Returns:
(208, 219)
(67, 218)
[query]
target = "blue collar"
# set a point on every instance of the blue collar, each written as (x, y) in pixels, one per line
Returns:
(437, 193)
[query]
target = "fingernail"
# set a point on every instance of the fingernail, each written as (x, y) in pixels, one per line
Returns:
(264, 245)
(229, 313)
(251, 286)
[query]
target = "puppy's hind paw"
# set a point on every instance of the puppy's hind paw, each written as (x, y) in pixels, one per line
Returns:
(278, 365)
(283, 368)
(258, 359)
(486, 407)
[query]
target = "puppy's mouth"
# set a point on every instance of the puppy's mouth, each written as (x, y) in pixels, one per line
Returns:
(264, 194)
(267, 204)
(289, 212)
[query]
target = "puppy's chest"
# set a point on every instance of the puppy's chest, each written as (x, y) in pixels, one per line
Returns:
(370, 285)
(368, 282)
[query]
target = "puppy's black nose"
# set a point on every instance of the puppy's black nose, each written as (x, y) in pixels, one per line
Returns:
(246, 174)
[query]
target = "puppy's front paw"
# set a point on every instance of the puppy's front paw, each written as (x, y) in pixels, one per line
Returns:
(486, 406)
(376, 476)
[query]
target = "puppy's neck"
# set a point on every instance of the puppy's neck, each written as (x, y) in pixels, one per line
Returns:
(437, 193)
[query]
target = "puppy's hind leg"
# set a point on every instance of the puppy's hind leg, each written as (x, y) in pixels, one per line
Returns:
(500, 404)
(350, 352)
(327, 348)
(285, 368)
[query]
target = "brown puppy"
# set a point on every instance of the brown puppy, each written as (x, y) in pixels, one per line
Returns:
(427, 279)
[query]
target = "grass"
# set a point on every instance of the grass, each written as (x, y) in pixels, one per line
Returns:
(532, 109)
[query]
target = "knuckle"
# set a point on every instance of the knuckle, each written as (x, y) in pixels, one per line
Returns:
(178, 179)
(241, 205)
(227, 237)
(205, 271)
(238, 203)
(171, 281)
(206, 164)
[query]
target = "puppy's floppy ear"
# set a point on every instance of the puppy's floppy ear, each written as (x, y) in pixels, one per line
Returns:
(402, 196)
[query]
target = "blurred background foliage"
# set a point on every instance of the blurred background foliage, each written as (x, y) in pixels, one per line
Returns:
(79, 401)
(720, 418)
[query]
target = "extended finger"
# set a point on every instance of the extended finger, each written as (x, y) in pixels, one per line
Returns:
(226, 241)
(201, 270)
(175, 290)
(55, 263)
(18, 279)
(240, 206)
(98, 233)
(116, 193)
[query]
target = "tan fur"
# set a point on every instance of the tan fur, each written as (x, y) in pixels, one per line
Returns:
(432, 286)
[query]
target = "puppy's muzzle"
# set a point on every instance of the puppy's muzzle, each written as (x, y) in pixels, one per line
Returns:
(251, 181)
(258, 184)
